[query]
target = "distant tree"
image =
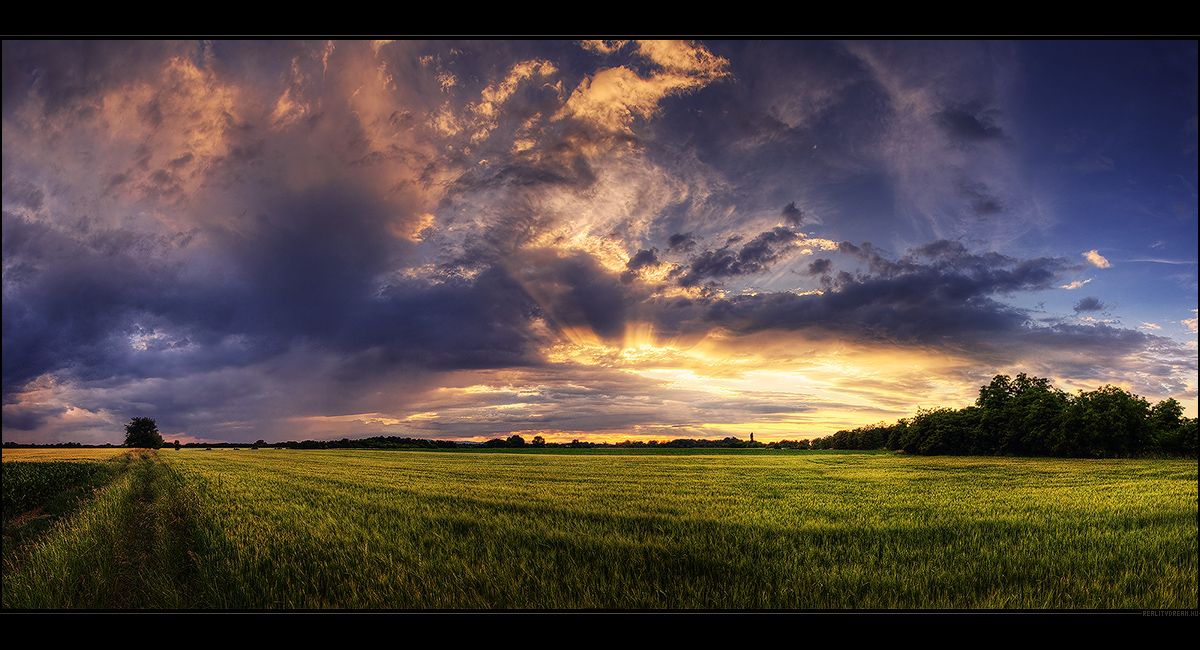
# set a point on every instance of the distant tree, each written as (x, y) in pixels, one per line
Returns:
(539, 441)
(177, 445)
(143, 432)
(516, 441)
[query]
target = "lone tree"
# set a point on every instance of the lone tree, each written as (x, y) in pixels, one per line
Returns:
(143, 432)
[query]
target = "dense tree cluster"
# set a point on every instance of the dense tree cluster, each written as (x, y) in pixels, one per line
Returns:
(872, 436)
(143, 432)
(1027, 416)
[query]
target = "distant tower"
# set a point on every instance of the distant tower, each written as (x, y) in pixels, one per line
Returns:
(751, 436)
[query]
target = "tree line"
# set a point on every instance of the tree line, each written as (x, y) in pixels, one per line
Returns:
(1027, 416)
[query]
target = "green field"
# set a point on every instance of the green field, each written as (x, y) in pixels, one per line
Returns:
(623, 529)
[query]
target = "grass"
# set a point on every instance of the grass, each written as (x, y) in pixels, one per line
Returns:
(633, 529)
(38, 495)
(367, 529)
(126, 545)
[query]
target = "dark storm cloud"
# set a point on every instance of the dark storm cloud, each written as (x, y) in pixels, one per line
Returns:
(98, 302)
(948, 263)
(482, 323)
(877, 262)
(911, 307)
(70, 292)
(933, 293)
(819, 267)
(755, 257)
(312, 270)
(1090, 303)
(681, 243)
(642, 259)
(303, 268)
(792, 215)
(307, 264)
(31, 418)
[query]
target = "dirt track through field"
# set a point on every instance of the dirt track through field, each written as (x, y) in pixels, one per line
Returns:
(133, 546)
(153, 548)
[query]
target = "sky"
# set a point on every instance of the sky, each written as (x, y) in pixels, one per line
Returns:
(586, 240)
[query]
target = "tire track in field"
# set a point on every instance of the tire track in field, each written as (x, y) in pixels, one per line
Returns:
(135, 538)
(153, 547)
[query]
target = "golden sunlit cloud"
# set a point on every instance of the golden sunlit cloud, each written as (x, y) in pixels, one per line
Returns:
(291, 107)
(611, 99)
(1097, 259)
(412, 229)
(697, 62)
(602, 47)
(1190, 323)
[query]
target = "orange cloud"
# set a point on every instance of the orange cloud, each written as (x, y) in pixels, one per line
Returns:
(612, 98)
(1097, 259)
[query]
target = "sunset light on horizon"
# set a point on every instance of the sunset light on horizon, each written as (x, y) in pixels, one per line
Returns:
(601, 241)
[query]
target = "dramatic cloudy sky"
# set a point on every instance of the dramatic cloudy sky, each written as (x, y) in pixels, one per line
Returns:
(645, 240)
